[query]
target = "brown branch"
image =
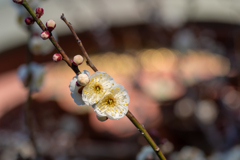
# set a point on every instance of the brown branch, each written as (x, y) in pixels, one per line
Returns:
(129, 114)
(89, 62)
(144, 132)
(79, 42)
(28, 122)
(51, 38)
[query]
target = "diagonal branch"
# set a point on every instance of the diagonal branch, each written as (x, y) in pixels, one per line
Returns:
(89, 62)
(76, 70)
(51, 38)
(130, 116)
(28, 121)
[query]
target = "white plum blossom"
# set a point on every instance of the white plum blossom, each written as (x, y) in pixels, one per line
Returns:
(76, 89)
(32, 74)
(114, 103)
(100, 83)
(109, 99)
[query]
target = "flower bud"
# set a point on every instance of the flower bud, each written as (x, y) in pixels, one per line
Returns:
(45, 35)
(39, 12)
(50, 25)
(29, 20)
(83, 79)
(18, 1)
(57, 57)
(78, 59)
(102, 119)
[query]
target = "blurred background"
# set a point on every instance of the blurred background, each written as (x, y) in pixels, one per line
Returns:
(178, 60)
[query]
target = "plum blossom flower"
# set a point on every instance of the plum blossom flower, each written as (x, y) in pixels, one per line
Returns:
(76, 89)
(114, 104)
(100, 83)
(32, 74)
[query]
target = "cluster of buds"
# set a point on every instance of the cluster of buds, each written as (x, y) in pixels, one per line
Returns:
(50, 24)
(29, 20)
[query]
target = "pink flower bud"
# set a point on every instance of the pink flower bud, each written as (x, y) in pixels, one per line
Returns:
(38, 15)
(18, 1)
(57, 57)
(78, 59)
(83, 79)
(50, 25)
(29, 20)
(39, 12)
(45, 35)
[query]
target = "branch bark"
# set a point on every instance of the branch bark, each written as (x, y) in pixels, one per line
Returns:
(79, 42)
(51, 38)
(67, 60)
(130, 116)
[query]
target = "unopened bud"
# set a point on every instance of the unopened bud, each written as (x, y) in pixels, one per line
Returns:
(39, 12)
(18, 1)
(29, 20)
(104, 118)
(83, 79)
(50, 25)
(57, 57)
(78, 59)
(45, 35)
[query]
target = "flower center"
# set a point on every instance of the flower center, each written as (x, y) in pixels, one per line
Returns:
(110, 101)
(97, 88)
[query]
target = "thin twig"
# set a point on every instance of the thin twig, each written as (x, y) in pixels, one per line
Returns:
(28, 122)
(27, 108)
(140, 127)
(51, 38)
(79, 42)
(144, 132)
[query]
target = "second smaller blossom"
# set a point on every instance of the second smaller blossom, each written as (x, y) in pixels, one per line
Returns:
(76, 89)
(114, 104)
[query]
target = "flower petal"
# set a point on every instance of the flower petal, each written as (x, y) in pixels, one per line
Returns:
(114, 104)
(100, 83)
(75, 91)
